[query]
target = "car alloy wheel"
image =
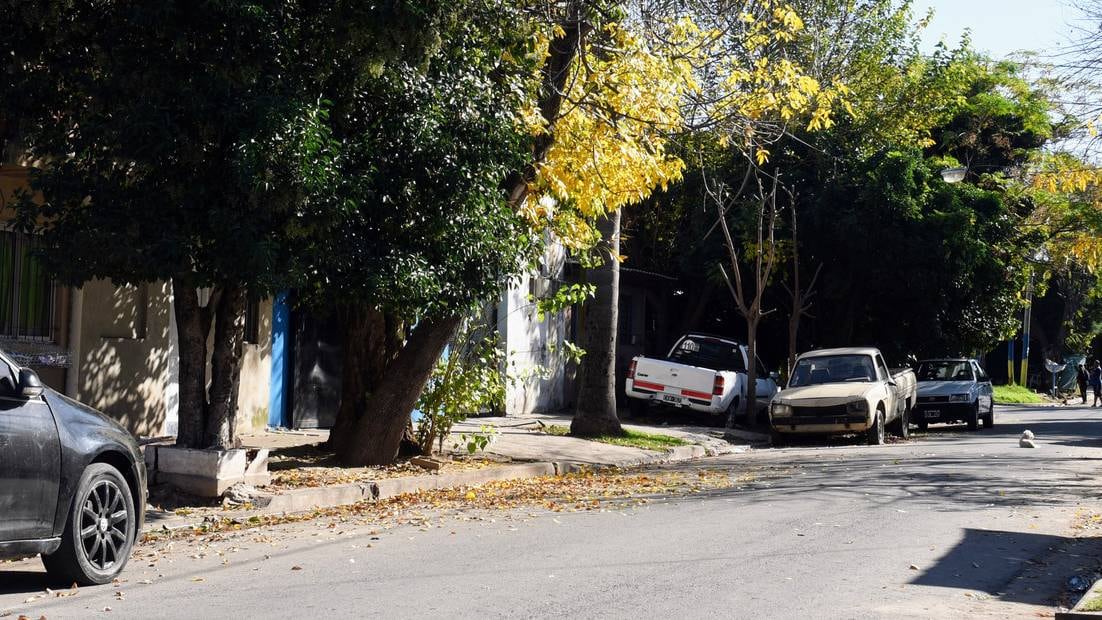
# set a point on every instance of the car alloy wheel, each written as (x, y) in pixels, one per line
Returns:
(104, 526)
(99, 531)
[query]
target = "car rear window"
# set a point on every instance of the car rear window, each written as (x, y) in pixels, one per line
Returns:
(708, 353)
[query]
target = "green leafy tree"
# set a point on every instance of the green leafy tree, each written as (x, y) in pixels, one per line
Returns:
(908, 262)
(185, 142)
(425, 230)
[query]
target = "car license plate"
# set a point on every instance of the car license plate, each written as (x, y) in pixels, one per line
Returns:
(671, 399)
(933, 413)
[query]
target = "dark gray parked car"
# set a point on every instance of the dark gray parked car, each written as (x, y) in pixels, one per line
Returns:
(72, 482)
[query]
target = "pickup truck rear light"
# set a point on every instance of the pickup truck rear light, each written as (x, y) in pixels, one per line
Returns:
(631, 370)
(717, 386)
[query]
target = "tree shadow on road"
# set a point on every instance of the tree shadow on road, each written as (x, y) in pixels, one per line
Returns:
(1018, 567)
(889, 477)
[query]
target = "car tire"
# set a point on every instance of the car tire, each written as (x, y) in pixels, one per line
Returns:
(989, 417)
(99, 530)
(777, 439)
(974, 418)
(875, 435)
(902, 426)
(732, 413)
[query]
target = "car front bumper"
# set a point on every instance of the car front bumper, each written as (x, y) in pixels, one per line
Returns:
(942, 412)
(677, 401)
(848, 423)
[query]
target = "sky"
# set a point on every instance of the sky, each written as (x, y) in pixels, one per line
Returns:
(999, 27)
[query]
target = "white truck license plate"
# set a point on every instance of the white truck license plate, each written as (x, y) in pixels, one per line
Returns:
(671, 399)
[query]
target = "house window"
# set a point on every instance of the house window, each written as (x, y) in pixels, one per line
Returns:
(27, 295)
(252, 321)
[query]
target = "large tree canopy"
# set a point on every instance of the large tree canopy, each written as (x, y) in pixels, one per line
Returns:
(185, 141)
(909, 263)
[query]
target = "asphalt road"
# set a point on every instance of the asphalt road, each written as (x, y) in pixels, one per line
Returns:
(951, 524)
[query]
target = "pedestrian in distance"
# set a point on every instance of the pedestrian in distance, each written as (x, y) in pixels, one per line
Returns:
(1096, 383)
(1082, 377)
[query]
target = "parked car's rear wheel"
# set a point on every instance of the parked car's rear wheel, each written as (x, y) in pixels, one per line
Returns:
(989, 417)
(637, 407)
(875, 434)
(974, 417)
(99, 531)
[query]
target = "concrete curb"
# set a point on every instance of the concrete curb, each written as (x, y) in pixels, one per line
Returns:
(1076, 613)
(307, 499)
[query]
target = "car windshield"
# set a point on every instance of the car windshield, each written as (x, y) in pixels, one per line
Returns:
(945, 371)
(833, 369)
(708, 353)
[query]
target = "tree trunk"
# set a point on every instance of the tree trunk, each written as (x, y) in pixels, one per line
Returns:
(229, 337)
(377, 435)
(595, 411)
(371, 341)
(193, 366)
(793, 332)
(752, 373)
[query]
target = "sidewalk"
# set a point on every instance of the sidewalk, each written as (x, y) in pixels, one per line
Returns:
(519, 450)
(519, 438)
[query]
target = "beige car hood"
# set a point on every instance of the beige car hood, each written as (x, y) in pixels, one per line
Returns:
(825, 394)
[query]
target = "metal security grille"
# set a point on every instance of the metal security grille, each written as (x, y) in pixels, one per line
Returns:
(836, 410)
(27, 296)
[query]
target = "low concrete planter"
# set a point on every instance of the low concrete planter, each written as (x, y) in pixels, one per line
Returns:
(1078, 612)
(206, 473)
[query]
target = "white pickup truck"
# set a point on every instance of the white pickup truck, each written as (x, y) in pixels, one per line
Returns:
(703, 373)
(844, 391)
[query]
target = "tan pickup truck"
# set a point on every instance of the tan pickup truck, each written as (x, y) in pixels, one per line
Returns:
(839, 391)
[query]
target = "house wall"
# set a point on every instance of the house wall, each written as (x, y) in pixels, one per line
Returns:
(126, 343)
(541, 379)
(254, 396)
(126, 361)
(129, 359)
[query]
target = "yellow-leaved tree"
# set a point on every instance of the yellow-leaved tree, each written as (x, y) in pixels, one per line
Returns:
(614, 97)
(1067, 192)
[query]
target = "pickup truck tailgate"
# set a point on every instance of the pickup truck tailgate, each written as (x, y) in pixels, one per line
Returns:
(674, 378)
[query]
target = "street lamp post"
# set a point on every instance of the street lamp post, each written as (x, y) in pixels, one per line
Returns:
(956, 175)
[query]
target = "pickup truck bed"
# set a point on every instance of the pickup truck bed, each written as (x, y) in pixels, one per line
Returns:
(702, 373)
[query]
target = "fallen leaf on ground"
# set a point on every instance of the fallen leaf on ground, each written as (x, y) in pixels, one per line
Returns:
(914, 567)
(296, 568)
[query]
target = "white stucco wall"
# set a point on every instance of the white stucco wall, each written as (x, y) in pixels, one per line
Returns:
(541, 378)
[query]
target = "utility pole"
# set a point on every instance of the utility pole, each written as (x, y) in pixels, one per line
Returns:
(1025, 331)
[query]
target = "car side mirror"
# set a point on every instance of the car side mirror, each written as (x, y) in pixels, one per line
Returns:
(30, 386)
(892, 383)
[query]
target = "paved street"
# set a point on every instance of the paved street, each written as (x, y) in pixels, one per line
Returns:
(950, 524)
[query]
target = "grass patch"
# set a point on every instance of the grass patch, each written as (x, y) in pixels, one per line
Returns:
(630, 438)
(1095, 604)
(1017, 395)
